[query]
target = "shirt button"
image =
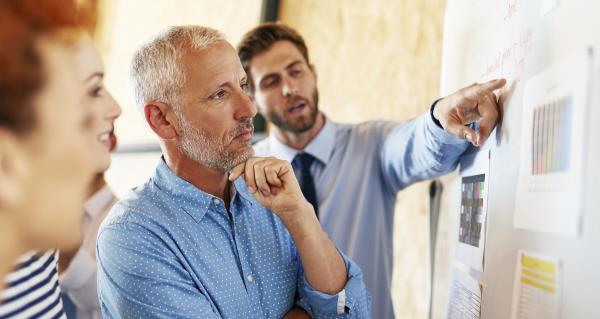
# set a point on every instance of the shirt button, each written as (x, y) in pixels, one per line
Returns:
(216, 201)
(249, 278)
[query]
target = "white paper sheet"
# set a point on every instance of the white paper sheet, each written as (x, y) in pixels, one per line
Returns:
(465, 296)
(537, 287)
(550, 186)
(472, 226)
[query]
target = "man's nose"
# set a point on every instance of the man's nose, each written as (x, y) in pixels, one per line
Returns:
(289, 87)
(246, 108)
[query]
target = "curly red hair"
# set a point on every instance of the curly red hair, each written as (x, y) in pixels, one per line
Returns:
(22, 24)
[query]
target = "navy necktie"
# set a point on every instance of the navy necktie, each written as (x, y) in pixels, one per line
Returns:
(302, 162)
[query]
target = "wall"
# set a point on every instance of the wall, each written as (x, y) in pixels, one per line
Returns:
(517, 40)
(380, 59)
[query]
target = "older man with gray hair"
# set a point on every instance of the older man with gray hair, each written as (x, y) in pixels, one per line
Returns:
(198, 240)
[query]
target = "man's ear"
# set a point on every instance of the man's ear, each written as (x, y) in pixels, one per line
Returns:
(12, 169)
(162, 120)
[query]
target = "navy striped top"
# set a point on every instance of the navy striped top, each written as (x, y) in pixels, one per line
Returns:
(32, 290)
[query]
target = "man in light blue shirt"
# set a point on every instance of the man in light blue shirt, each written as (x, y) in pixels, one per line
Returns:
(198, 240)
(352, 173)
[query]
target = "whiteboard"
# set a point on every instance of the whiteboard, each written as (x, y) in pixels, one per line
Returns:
(517, 39)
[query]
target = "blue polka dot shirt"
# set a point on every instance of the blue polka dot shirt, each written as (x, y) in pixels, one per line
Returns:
(170, 250)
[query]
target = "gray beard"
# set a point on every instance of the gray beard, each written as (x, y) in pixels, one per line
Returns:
(207, 150)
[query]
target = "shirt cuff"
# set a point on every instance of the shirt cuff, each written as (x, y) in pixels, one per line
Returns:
(346, 301)
(436, 121)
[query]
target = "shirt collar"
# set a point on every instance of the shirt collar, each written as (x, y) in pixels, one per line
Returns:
(98, 202)
(190, 198)
(320, 147)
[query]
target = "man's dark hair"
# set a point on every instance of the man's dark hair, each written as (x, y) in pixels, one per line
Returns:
(261, 38)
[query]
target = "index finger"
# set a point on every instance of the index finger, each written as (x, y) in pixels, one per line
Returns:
(479, 91)
(237, 171)
(493, 85)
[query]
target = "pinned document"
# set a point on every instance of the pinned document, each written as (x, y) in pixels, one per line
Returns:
(465, 296)
(475, 170)
(550, 185)
(537, 287)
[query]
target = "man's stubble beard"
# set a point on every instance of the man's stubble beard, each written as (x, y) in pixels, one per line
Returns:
(208, 150)
(284, 125)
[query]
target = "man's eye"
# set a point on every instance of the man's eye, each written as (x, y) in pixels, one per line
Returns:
(218, 95)
(269, 83)
(295, 73)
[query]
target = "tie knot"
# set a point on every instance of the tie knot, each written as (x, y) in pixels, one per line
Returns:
(303, 160)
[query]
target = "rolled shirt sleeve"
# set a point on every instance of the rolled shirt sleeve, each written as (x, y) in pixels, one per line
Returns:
(354, 301)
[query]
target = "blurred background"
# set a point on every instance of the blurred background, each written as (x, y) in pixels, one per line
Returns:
(377, 59)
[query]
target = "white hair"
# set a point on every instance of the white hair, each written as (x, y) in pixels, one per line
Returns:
(156, 69)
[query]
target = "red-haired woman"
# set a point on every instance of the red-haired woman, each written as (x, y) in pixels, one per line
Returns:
(54, 120)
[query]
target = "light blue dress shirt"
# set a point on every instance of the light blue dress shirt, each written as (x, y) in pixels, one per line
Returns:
(170, 250)
(359, 171)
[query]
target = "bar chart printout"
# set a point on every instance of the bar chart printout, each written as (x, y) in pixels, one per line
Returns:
(551, 137)
(550, 186)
